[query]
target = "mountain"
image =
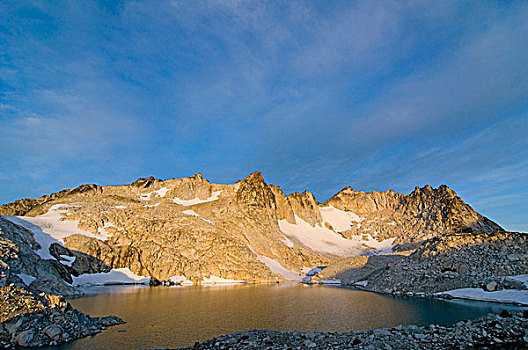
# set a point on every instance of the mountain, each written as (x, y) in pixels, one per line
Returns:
(192, 230)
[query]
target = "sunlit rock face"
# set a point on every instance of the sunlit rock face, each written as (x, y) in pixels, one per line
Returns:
(248, 231)
(425, 213)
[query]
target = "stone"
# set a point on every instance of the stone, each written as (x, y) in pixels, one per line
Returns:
(491, 286)
(25, 338)
(53, 331)
(513, 257)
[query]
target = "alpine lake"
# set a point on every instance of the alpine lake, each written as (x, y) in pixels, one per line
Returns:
(171, 317)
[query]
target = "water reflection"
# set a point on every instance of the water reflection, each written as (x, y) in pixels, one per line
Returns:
(180, 316)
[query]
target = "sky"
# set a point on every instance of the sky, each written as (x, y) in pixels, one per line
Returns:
(317, 95)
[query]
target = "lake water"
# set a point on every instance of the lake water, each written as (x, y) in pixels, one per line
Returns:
(180, 316)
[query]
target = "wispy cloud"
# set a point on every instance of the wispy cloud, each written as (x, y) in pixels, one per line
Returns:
(376, 95)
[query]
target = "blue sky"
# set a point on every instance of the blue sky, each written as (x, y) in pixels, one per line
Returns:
(317, 95)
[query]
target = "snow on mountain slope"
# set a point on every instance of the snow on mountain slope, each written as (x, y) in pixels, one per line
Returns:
(339, 219)
(188, 202)
(277, 268)
(326, 241)
(159, 193)
(195, 214)
(48, 228)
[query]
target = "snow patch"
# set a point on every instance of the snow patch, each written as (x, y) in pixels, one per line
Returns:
(339, 219)
(507, 296)
(287, 242)
(188, 202)
(180, 279)
(151, 205)
(324, 240)
(102, 230)
(312, 271)
(191, 213)
(218, 280)
(120, 207)
(277, 268)
(162, 192)
(195, 214)
(48, 228)
(67, 260)
(27, 279)
(331, 281)
(520, 278)
(115, 276)
(361, 283)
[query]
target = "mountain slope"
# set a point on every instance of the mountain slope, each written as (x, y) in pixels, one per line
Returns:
(190, 229)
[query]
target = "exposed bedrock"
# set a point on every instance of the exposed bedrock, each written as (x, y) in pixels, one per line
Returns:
(193, 228)
(457, 260)
(28, 319)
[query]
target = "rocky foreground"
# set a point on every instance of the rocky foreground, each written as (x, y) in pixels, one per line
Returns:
(28, 319)
(491, 332)
(486, 261)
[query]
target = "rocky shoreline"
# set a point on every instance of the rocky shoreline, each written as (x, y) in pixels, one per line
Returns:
(28, 319)
(487, 262)
(504, 331)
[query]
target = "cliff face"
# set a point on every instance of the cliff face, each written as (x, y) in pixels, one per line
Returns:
(424, 213)
(18, 260)
(247, 231)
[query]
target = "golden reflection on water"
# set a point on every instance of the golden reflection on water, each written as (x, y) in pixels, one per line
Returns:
(180, 316)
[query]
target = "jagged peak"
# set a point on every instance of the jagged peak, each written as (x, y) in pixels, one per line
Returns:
(144, 182)
(350, 191)
(255, 175)
(427, 189)
(304, 195)
(446, 189)
(255, 178)
(255, 191)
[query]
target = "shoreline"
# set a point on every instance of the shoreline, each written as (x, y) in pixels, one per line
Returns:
(488, 332)
(440, 295)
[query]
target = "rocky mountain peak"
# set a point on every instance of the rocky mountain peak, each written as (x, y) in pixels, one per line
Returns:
(191, 227)
(144, 182)
(445, 189)
(363, 203)
(254, 191)
(427, 190)
(191, 187)
(305, 207)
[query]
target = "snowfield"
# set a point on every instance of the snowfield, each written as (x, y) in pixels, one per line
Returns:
(48, 229)
(326, 241)
(339, 219)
